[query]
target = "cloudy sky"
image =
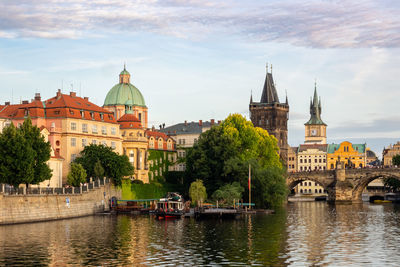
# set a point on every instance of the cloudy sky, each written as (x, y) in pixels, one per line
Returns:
(200, 59)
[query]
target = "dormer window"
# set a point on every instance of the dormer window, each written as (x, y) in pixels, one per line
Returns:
(92, 115)
(82, 114)
(101, 116)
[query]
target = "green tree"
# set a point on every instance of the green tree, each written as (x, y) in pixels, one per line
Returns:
(16, 157)
(76, 175)
(392, 183)
(223, 154)
(115, 166)
(41, 149)
(98, 170)
(396, 160)
(23, 155)
(197, 191)
(228, 193)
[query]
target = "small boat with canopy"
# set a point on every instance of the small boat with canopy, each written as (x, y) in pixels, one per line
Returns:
(172, 206)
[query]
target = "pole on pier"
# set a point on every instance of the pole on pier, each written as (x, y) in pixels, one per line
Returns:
(249, 186)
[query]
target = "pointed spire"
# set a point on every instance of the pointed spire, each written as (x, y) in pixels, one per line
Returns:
(315, 108)
(269, 94)
(287, 102)
(251, 96)
(124, 65)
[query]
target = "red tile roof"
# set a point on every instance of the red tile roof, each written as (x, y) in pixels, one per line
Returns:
(129, 121)
(60, 106)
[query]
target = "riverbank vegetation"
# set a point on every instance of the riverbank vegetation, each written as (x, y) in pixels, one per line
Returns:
(225, 153)
(101, 160)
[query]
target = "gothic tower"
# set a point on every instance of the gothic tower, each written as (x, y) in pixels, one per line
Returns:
(315, 128)
(272, 115)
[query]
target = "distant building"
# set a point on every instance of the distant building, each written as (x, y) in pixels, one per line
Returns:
(272, 115)
(389, 152)
(351, 155)
(311, 156)
(186, 135)
(315, 128)
(292, 159)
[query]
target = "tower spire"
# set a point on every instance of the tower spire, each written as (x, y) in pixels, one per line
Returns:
(251, 96)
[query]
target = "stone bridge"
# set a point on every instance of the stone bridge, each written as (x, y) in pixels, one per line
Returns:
(343, 185)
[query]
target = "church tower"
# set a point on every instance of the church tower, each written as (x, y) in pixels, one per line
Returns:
(315, 128)
(272, 115)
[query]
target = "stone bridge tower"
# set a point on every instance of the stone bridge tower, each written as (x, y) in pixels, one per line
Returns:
(272, 115)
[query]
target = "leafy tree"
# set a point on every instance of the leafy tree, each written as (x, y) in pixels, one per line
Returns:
(41, 150)
(23, 155)
(197, 191)
(115, 166)
(223, 154)
(98, 170)
(16, 157)
(228, 193)
(396, 160)
(76, 175)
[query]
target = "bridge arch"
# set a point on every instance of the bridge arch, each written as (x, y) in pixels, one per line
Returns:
(292, 182)
(366, 179)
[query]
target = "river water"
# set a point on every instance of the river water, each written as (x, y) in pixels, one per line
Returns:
(300, 234)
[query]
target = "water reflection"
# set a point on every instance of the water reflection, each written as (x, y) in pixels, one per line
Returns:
(302, 234)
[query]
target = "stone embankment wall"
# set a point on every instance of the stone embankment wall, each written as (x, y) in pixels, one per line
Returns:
(34, 208)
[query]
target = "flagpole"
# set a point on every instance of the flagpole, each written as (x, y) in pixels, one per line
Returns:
(249, 186)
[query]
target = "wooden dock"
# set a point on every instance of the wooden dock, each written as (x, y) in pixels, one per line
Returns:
(217, 213)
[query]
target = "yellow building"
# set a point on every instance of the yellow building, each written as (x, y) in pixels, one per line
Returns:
(135, 144)
(352, 155)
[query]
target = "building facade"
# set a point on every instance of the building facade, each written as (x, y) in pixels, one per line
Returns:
(272, 115)
(389, 152)
(351, 155)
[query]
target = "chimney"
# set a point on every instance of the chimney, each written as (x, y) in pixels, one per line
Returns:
(37, 97)
(200, 123)
(185, 123)
(72, 94)
(7, 103)
(24, 102)
(212, 121)
(86, 98)
(58, 93)
(153, 128)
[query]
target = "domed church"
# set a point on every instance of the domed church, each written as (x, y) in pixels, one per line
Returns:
(125, 96)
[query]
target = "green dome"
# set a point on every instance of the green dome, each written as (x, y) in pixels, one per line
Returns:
(124, 72)
(121, 93)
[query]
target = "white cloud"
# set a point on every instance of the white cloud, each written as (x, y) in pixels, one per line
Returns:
(315, 23)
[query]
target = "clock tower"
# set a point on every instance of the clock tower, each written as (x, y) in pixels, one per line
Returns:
(315, 128)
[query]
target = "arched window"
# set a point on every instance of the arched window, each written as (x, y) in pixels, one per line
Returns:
(309, 190)
(320, 191)
(301, 191)
(160, 143)
(316, 190)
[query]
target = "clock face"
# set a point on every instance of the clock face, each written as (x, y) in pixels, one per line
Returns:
(313, 132)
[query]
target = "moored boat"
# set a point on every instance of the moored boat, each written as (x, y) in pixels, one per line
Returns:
(171, 206)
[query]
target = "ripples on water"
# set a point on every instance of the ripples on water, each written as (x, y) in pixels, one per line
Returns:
(302, 234)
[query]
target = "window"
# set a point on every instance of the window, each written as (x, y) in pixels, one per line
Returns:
(73, 141)
(84, 128)
(169, 145)
(301, 168)
(82, 114)
(320, 160)
(104, 143)
(92, 115)
(73, 126)
(316, 190)
(94, 142)
(84, 142)
(140, 116)
(101, 116)
(315, 160)
(113, 131)
(94, 128)
(103, 130)
(151, 143)
(113, 146)
(301, 160)
(160, 143)
(309, 160)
